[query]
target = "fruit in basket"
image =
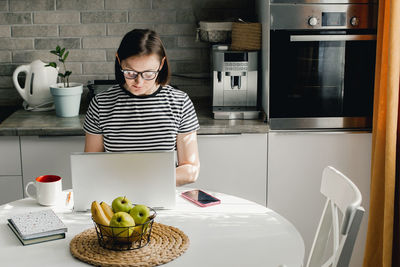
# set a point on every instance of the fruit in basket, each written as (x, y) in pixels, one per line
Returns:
(141, 229)
(124, 220)
(98, 214)
(100, 218)
(140, 213)
(107, 210)
(121, 204)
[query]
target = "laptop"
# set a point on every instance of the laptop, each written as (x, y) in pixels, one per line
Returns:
(143, 177)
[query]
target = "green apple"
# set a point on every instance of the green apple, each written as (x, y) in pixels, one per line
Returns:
(122, 219)
(140, 213)
(121, 204)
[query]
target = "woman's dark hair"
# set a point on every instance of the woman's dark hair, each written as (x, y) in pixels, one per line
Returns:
(142, 42)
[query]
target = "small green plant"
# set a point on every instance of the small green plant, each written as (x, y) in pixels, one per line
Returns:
(62, 55)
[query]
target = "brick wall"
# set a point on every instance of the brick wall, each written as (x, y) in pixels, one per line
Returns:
(92, 31)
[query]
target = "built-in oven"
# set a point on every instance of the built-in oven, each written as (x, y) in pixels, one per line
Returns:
(321, 65)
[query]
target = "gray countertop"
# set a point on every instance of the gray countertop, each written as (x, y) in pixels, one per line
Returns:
(23, 122)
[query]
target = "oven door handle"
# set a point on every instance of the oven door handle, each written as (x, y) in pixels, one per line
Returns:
(350, 37)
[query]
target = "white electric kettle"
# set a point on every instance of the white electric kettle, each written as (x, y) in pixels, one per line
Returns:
(36, 91)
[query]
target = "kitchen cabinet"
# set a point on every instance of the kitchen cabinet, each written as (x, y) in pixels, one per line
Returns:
(49, 155)
(295, 164)
(10, 169)
(10, 188)
(234, 164)
(10, 159)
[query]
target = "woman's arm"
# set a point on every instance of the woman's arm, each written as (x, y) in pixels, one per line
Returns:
(188, 158)
(94, 143)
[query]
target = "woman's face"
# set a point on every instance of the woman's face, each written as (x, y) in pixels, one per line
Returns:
(140, 86)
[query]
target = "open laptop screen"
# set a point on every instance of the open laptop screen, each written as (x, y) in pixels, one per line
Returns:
(143, 177)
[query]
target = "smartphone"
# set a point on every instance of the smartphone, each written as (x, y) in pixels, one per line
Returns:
(201, 198)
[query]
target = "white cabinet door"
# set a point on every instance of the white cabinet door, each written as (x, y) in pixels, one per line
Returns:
(10, 157)
(10, 188)
(234, 164)
(49, 155)
(295, 164)
(10, 169)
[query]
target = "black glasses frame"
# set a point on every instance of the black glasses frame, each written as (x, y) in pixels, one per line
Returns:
(141, 74)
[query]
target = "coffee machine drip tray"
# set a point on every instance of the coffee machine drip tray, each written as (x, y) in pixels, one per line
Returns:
(236, 113)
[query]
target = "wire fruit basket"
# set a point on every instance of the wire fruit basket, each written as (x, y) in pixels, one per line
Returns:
(125, 238)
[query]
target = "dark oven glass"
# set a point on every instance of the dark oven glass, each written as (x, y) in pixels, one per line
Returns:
(320, 78)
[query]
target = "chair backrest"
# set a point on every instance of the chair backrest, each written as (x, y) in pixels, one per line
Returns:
(337, 230)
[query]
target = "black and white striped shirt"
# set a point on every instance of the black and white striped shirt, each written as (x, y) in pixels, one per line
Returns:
(140, 123)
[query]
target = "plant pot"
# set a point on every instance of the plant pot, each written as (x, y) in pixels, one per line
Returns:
(67, 100)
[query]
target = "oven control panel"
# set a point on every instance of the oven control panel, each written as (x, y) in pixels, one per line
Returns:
(335, 19)
(314, 16)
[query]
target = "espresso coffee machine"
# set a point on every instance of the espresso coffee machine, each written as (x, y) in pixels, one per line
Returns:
(234, 83)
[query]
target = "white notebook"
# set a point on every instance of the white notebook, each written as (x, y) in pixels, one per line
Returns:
(37, 224)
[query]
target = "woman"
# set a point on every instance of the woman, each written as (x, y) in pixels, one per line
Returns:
(142, 113)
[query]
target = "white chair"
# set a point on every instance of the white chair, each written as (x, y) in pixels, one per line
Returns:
(337, 230)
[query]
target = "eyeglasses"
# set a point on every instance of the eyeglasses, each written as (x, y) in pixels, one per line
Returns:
(131, 74)
(146, 75)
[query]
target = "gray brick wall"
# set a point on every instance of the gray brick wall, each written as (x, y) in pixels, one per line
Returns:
(92, 31)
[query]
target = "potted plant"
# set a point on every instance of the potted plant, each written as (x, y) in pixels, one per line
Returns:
(67, 95)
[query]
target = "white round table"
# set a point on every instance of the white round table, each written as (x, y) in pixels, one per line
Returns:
(236, 232)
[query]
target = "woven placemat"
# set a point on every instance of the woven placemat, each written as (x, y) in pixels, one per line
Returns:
(166, 244)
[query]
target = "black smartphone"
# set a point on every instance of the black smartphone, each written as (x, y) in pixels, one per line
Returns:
(201, 198)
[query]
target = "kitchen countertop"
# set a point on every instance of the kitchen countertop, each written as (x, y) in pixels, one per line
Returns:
(28, 123)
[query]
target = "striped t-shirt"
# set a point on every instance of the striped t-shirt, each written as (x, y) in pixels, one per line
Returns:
(140, 123)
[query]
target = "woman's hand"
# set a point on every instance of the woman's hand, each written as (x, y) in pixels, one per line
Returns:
(188, 158)
(94, 143)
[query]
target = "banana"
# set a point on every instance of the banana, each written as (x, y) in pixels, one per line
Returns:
(107, 210)
(98, 214)
(100, 218)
